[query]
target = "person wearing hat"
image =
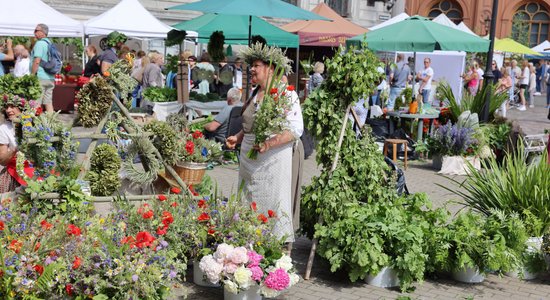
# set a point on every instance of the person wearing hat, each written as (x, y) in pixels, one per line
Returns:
(11, 108)
(115, 40)
(267, 179)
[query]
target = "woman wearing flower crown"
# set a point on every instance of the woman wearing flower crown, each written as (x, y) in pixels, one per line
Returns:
(11, 109)
(267, 177)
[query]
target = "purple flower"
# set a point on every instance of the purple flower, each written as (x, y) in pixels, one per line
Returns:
(134, 278)
(172, 274)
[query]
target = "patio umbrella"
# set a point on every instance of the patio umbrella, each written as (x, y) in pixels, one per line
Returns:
(259, 8)
(419, 34)
(511, 46)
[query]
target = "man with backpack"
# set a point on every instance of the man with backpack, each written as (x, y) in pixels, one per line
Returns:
(39, 55)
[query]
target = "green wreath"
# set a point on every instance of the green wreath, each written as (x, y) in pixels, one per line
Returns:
(147, 150)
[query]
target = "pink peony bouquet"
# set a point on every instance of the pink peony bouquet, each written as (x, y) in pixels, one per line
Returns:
(239, 269)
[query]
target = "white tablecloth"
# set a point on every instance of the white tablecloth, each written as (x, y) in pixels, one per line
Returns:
(196, 108)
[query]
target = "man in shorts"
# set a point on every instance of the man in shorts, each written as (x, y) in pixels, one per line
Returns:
(39, 53)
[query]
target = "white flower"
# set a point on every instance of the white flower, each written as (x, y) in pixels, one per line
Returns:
(485, 152)
(268, 293)
(285, 262)
(212, 268)
(223, 252)
(243, 277)
(294, 279)
(231, 287)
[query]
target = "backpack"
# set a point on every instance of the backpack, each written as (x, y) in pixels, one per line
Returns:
(54, 63)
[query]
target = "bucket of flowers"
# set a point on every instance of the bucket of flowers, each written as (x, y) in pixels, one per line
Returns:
(194, 152)
(247, 274)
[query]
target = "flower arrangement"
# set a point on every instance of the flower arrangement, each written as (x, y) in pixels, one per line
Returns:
(239, 269)
(453, 140)
(66, 69)
(194, 147)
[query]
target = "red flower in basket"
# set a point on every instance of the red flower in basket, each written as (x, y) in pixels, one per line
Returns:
(197, 134)
(204, 217)
(271, 214)
(190, 147)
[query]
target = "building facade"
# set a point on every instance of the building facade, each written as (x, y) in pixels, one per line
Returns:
(527, 21)
(365, 13)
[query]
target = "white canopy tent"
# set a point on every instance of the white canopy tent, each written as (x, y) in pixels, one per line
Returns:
(20, 18)
(400, 17)
(465, 28)
(444, 20)
(128, 17)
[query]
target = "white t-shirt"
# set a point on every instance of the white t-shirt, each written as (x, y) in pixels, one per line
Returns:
(21, 67)
(7, 135)
(427, 72)
(480, 73)
(525, 79)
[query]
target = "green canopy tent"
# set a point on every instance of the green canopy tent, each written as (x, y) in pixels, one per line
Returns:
(235, 30)
(419, 34)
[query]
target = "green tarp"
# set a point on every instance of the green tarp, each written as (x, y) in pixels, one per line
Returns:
(419, 34)
(235, 30)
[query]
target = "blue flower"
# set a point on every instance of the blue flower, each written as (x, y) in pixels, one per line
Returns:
(204, 151)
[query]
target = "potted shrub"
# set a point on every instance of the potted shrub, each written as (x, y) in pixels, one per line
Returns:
(453, 148)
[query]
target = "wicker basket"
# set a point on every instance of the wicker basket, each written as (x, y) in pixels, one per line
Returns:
(190, 172)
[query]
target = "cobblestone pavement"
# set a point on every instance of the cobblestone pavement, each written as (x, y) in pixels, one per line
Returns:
(420, 178)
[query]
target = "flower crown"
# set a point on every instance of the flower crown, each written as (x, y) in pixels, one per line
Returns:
(268, 54)
(17, 101)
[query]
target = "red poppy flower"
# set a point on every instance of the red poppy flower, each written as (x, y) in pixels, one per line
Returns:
(39, 269)
(290, 88)
(211, 231)
(190, 147)
(45, 225)
(204, 217)
(273, 91)
(142, 208)
(37, 246)
(38, 111)
(175, 190)
(162, 230)
(76, 263)
(128, 240)
(69, 289)
(1, 225)
(167, 218)
(197, 134)
(174, 204)
(202, 203)
(15, 245)
(144, 239)
(253, 206)
(262, 218)
(73, 230)
(148, 215)
(161, 198)
(271, 213)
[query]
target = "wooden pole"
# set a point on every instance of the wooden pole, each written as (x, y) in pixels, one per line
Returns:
(334, 164)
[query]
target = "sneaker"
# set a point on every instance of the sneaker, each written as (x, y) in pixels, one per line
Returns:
(537, 94)
(522, 108)
(531, 105)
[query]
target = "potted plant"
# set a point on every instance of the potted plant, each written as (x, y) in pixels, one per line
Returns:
(452, 148)
(194, 152)
(247, 274)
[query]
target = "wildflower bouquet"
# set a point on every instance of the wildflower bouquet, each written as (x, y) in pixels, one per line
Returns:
(194, 147)
(271, 114)
(239, 269)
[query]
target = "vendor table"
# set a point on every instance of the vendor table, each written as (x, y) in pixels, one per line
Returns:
(400, 115)
(63, 97)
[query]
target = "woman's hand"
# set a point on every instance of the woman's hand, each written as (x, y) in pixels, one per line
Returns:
(231, 142)
(263, 148)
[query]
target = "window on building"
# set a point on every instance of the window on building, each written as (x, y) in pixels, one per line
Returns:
(531, 24)
(449, 8)
(370, 2)
(339, 6)
(293, 2)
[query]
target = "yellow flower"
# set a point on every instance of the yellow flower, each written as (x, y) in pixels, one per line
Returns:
(101, 221)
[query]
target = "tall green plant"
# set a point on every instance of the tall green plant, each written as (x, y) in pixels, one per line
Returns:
(474, 104)
(513, 187)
